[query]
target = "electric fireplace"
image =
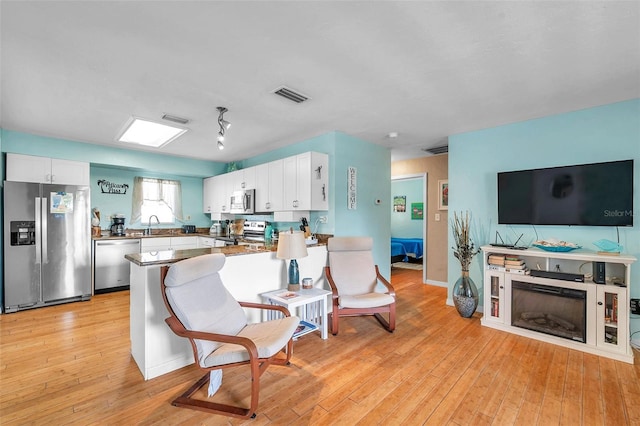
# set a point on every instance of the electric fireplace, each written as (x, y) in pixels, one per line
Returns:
(556, 311)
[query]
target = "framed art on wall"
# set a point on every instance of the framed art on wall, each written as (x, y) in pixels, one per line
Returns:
(443, 195)
(400, 203)
(417, 211)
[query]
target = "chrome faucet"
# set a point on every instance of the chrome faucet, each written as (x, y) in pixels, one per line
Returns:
(148, 230)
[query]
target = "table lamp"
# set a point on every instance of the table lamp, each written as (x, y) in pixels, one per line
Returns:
(291, 245)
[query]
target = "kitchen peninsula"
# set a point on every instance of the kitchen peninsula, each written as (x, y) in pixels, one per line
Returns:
(248, 272)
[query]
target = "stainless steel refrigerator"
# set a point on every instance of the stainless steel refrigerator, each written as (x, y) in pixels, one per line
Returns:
(47, 245)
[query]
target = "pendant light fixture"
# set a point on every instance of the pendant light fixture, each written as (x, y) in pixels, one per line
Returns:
(224, 125)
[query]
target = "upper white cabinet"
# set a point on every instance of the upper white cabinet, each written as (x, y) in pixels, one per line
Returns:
(297, 183)
(28, 168)
(208, 195)
(243, 179)
(222, 189)
(269, 186)
(306, 182)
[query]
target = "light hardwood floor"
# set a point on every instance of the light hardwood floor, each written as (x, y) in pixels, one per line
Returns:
(70, 364)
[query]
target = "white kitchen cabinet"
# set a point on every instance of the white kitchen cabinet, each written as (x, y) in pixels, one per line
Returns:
(168, 243)
(611, 318)
(28, 168)
(208, 242)
(155, 244)
(184, 243)
(242, 179)
(306, 182)
(270, 186)
(221, 193)
(494, 301)
(208, 195)
(235, 180)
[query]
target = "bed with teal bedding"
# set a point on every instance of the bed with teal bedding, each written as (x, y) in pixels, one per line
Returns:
(402, 248)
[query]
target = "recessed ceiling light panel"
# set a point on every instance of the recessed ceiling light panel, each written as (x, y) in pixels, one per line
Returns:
(145, 132)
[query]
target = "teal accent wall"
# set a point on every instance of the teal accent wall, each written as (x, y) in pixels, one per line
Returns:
(373, 164)
(605, 133)
(402, 226)
(112, 204)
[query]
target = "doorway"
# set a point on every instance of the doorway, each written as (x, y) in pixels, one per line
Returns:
(409, 219)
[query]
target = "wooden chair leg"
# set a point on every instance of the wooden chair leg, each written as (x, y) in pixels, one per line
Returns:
(186, 401)
(334, 322)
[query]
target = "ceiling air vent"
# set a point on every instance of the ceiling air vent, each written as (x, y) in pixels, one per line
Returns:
(437, 150)
(290, 94)
(175, 119)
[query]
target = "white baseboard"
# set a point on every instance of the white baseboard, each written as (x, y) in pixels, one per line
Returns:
(437, 283)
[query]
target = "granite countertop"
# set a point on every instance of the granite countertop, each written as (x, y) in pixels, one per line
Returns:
(164, 257)
(139, 234)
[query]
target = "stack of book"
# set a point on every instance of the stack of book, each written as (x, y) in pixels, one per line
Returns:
(507, 263)
(496, 259)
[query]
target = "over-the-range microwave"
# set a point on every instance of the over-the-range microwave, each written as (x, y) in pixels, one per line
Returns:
(243, 202)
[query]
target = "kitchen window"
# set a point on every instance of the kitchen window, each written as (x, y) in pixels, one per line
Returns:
(160, 197)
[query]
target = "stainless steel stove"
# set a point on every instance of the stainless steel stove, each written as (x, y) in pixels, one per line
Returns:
(254, 230)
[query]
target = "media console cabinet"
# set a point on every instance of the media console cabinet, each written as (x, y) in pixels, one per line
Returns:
(586, 316)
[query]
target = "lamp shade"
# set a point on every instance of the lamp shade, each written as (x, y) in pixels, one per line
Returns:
(291, 245)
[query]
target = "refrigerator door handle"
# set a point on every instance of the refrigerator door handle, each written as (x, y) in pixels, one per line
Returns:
(45, 258)
(38, 231)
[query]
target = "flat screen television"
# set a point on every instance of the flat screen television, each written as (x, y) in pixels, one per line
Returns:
(598, 194)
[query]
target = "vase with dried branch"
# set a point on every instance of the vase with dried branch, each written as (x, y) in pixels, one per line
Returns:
(464, 292)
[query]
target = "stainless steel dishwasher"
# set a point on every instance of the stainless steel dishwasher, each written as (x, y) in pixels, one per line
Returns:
(110, 268)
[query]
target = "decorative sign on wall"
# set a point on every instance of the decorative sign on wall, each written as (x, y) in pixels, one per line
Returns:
(400, 203)
(417, 211)
(352, 173)
(107, 187)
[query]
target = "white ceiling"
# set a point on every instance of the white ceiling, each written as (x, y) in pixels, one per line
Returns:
(79, 70)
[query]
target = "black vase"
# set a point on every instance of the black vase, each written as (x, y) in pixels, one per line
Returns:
(465, 295)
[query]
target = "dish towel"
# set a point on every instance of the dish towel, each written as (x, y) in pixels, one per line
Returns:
(215, 381)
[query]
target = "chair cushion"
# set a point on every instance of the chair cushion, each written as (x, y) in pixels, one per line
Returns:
(190, 269)
(369, 300)
(352, 266)
(201, 302)
(350, 244)
(269, 337)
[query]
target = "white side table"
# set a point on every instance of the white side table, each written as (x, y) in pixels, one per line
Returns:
(309, 305)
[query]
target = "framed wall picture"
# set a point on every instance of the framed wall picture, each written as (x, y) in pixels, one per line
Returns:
(443, 195)
(417, 211)
(400, 203)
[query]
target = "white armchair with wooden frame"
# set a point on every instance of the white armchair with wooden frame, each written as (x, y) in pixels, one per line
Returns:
(203, 311)
(353, 278)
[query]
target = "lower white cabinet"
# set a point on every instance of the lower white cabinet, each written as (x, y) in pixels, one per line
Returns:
(168, 243)
(494, 296)
(612, 323)
(205, 242)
